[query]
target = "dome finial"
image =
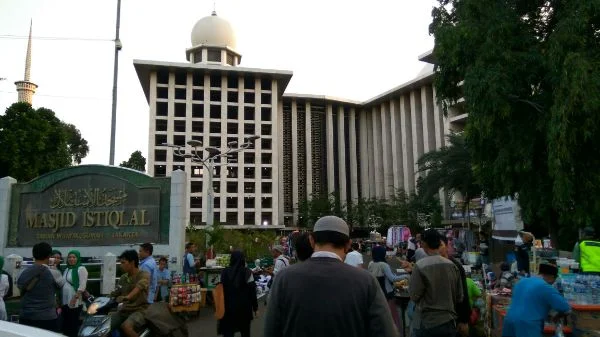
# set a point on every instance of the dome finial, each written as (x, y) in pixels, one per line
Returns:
(214, 12)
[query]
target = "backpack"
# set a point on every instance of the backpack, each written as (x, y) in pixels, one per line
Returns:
(162, 322)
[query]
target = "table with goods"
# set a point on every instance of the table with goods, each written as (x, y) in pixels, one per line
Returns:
(582, 291)
(186, 294)
(214, 268)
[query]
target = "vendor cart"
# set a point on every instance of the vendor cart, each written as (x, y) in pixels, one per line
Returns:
(187, 297)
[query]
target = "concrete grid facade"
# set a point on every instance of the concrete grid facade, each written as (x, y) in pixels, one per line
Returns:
(310, 145)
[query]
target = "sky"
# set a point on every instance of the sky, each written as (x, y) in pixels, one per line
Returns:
(344, 48)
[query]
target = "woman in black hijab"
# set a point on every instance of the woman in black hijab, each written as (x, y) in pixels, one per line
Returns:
(240, 297)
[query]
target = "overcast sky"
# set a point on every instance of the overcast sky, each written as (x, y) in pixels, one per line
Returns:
(345, 48)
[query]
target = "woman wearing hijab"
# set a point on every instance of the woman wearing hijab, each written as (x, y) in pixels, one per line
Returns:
(240, 297)
(4, 286)
(76, 281)
(383, 273)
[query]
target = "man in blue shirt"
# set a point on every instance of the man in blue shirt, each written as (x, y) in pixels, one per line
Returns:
(164, 279)
(147, 263)
(532, 300)
(189, 263)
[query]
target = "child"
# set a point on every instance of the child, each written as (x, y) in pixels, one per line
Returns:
(507, 279)
(164, 280)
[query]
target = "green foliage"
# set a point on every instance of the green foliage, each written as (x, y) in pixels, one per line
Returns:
(35, 141)
(136, 161)
(531, 72)
(254, 243)
(319, 206)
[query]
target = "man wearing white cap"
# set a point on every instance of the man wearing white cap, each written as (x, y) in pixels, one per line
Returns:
(323, 296)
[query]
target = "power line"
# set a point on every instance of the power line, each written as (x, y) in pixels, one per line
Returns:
(60, 96)
(55, 38)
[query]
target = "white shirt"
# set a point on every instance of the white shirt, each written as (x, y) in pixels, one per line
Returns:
(354, 258)
(68, 292)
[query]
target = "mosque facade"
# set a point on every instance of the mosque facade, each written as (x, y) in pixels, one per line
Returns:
(309, 145)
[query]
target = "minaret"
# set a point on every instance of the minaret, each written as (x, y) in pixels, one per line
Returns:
(25, 88)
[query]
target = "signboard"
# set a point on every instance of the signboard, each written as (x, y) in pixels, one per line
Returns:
(507, 218)
(90, 210)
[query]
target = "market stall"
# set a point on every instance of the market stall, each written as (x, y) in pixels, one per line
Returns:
(186, 295)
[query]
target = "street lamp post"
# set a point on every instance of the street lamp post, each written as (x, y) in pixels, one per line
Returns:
(196, 156)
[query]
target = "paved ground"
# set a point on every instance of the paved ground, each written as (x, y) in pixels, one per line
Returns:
(206, 324)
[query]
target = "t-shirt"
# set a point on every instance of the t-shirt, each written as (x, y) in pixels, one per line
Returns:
(164, 274)
(149, 264)
(473, 291)
(354, 259)
(39, 303)
(532, 300)
(126, 284)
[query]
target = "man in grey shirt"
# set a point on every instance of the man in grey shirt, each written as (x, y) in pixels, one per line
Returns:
(325, 297)
(38, 285)
(436, 288)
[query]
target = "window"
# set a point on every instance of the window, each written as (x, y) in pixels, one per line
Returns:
(180, 93)
(160, 155)
(179, 140)
(267, 173)
(265, 98)
(215, 80)
(232, 82)
(266, 143)
(249, 172)
(198, 56)
(214, 142)
(177, 159)
(232, 96)
(215, 127)
(196, 202)
(197, 110)
(229, 59)
(231, 218)
(178, 167)
(232, 128)
(232, 172)
(267, 202)
(248, 218)
(196, 218)
(248, 158)
(198, 94)
(162, 109)
(162, 92)
(267, 219)
(199, 80)
(249, 83)
(249, 97)
(232, 202)
(265, 84)
(162, 76)
(232, 112)
(214, 55)
(249, 113)
(160, 170)
(266, 129)
(179, 109)
(232, 187)
(180, 78)
(161, 125)
(249, 187)
(265, 158)
(159, 140)
(215, 111)
(217, 204)
(265, 114)
(266, 187)
(179, 126)
(197, 172)
(248, 202)
(197, 126)
(249, 129)
(215, 95)
(196, 187)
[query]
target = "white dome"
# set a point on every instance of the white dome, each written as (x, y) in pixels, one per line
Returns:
(214, 31)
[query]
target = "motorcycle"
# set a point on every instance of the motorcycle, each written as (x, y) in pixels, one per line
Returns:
(97, 322)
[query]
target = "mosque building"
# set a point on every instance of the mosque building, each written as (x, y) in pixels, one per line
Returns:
(309, 145)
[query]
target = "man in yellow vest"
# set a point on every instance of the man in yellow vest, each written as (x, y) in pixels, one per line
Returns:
(587, 252)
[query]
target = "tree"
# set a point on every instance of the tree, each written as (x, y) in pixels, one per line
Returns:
(35, 141)
(529, 71)
(310, 210)
(136, 161)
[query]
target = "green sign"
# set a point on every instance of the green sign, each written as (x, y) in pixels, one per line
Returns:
(90, 205)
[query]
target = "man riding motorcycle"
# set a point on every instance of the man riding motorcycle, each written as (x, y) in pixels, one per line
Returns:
(132, 292)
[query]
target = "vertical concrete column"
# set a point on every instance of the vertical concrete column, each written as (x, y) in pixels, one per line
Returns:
(378, 153)
(308, 135)
(10, 266)
(428, 119)
(396, 142)
(206, 140)
(342, 155)
(223, 182)
(6, 185)
(364, 152)
(257, 151)
(178, 218)
(294, 160)
(438, 117)
(170, 122)
(407, 144)
(240, 176)
(386, 145)
(417, 128)
(152, 124)
(329, 143)
(108, 273)
(353, 156)
(278, 181)
(372, 182)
